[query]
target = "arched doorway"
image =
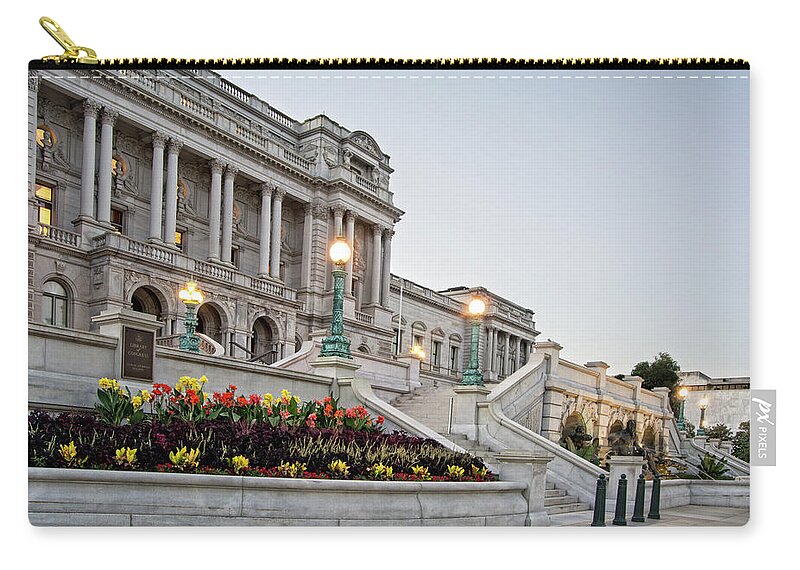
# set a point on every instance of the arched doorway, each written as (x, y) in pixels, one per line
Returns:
(263, 342)
(146, 300)
(209, 322)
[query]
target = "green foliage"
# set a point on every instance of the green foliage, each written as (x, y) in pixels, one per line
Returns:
(689, 428)
(720, 431)
(662, 371)
(587, 452)
(741, 442)
(711, 468)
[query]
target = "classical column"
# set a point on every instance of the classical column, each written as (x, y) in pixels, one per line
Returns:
(308, 222)
(171, 191)
(227, 213)
(338, 214)
(375, 295)
(90, 110)
(489, 348)
(264, 229)
(387, 265)
(517, 353)
(107, 119)
(507, 346)
(215, 208)
(350, 224)
(157, 185)
(275, 246)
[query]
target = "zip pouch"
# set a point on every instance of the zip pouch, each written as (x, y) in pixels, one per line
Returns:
(387, 292)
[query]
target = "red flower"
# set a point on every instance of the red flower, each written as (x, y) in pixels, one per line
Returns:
(380, 419)
(328, 410)
(255, 399)
(241, 400)
(231, 387)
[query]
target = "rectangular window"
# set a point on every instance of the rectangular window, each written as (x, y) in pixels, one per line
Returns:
(397, 341)
(180, 239)
(44, 204)
(118, 219)
(454, 358)
(235, 257)
(417, 340)
(436, 353)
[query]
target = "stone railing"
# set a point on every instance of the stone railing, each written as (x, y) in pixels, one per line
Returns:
(232, 89)
(213, 270)
(197, 107)
(411, 288)
(144, 78)
(151, 251)
(364, 318)
(296, 159)
(364, 183)
(272, 288)
(58, 235)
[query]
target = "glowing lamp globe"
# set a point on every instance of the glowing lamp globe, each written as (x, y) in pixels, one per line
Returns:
(477, 307)
(340, 251)
(683, 392)
(190, 294)
(703, 403)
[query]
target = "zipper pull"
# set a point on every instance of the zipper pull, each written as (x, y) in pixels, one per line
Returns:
(72, 53)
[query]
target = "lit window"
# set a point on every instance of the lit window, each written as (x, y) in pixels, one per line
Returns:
(180, 239)
(54, 304)
(44, 204)
(118, 219)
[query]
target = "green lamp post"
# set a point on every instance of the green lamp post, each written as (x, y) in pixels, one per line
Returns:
(701, 429)
(473, 375)
(682, 393)
(191, 297)
(336, 344)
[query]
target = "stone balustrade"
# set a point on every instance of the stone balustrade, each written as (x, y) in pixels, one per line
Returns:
(364, 318)
(59, 235)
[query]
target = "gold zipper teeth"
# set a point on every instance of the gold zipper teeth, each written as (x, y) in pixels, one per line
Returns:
(442, 63)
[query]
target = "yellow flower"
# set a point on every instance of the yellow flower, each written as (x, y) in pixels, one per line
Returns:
(137, 402)
(126, 455)
(146, 396)
(203, 379)
(108, 383)
(285, 395)
(296, 399)
(239, 463)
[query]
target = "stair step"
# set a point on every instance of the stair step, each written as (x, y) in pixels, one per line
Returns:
(570, 508)
(565, 500)
(549, 486)
(554, 493)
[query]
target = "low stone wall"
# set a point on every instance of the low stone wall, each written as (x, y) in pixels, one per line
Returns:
(76, 497)
(679, 492)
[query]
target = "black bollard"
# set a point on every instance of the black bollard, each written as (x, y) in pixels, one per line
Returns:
(638, 505)
(600, 502)
(622, 499)
(655, 499)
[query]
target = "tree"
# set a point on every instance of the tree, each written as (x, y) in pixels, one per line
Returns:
(720, 431)
(662, 371)
(741, 442)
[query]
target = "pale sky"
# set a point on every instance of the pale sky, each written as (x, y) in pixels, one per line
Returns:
(617, 209)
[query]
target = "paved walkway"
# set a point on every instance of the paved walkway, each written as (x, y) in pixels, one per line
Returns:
(688, 515)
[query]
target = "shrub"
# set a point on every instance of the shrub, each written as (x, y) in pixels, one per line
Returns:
(741, 442)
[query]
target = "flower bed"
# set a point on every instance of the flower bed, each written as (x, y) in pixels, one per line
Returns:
(188, 431)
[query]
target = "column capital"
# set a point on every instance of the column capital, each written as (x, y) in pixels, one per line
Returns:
(108, 116)
(338, 210)
(33, 81)
(174, 146)
(388, 233)
(350, 215)
(159, 140)
(319, 210)
(308, 208)
(377, 229)
(279, 193)
(266, 189)
(231, 170)
(91, 107)
(216, 165)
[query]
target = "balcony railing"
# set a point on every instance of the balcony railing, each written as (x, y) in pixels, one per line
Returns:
(435, 369)
(364, 318)
(59, 236)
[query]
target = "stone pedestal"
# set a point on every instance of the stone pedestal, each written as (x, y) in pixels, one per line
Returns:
(413, 370)
(726, 446)
(714, 442)
(465, 410)
(530, 469)
(382, 317)
(338, 369)
(89, 228)
(701, 440)
(631, 466)
(113, 323)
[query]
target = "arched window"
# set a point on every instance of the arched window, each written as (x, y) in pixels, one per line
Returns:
(55, 304)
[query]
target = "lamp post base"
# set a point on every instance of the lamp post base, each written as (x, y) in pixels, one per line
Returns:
(336, 345)
(472, 377)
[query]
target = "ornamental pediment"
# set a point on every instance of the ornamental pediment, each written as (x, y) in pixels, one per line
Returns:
(367, 143)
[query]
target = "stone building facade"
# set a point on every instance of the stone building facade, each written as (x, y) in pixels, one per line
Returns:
(143, 179)
(728, 399)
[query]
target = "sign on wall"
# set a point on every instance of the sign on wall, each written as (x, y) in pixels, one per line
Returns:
(137, 353)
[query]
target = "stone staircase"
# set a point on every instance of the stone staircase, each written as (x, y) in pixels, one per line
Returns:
(431, 406)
